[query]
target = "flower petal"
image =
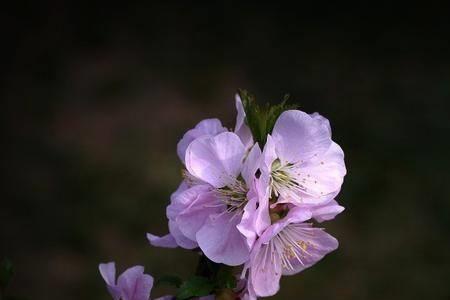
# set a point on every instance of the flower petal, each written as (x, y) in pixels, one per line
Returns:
(256, 213)
(324, 121)
(192, 218)
(316, 243)
(327, 211)
(166, 241)
(265, 264)
(262, 217)
(134, 284)
(180, 238)
(241, 129)
(251, 164)
(323, 175)
(216, 160)
(298, 136)
(295, 215)
(221, 241)
(209, 127)
(182, 199)
(108, 272)
(269, 155)
(265, 271)
(247, 224)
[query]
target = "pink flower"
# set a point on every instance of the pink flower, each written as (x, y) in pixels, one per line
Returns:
(208, 207)
(243, 205)
(286, 247)
(196, 200)
(221, 162)
(132, 284)
(304, 164)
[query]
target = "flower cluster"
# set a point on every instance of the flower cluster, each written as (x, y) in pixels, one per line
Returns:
(250, 196)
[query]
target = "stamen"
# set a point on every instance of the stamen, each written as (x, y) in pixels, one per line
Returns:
(293, 243)
(287, 180)
(234, 196)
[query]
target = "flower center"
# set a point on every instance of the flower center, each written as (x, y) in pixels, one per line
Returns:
(234, 196)
(292, 244)
(284, 180)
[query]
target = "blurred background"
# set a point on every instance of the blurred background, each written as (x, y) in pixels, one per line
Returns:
(95, 98)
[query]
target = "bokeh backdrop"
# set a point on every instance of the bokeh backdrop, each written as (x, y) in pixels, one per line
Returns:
(96, 96)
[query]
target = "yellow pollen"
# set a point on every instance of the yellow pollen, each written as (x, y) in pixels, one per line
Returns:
(303, 245)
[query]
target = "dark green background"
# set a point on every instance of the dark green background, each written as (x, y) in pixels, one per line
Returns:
(95, 98)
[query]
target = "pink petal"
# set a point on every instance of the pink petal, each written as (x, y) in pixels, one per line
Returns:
(265, 272)
(265, 264)
(221, 241)
(269, 155)
(262, 217)
(318, 244)
(182, 199)
(193, 217)
(323, 175)
(327, 211)
(216, 160)
(108, 272)
(251, 164)
(255, 218)
(298, 136)
(247, 224)
(241, 129)
(167, 241)
(295, 215)
(208, 127)
(134, 284)
(180, 238)
(323, 121)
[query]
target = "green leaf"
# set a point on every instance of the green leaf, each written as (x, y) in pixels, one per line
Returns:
(195, 287)
(6, 273)
(261, 119)
(225, 278)
(169, 280)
